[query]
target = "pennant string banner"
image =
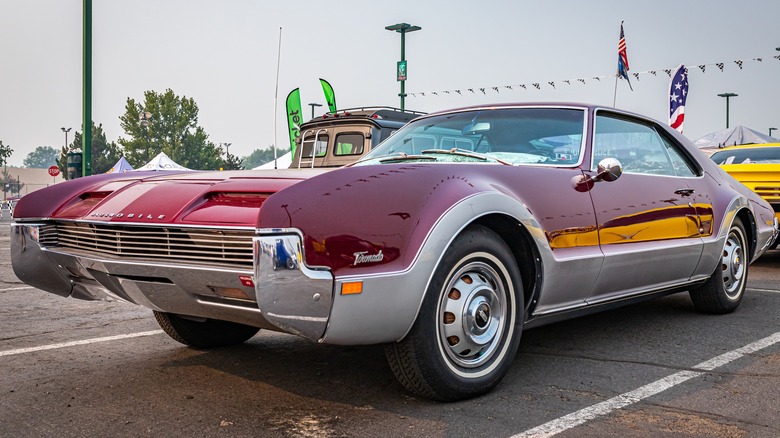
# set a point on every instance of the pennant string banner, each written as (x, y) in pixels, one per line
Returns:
(538, 85)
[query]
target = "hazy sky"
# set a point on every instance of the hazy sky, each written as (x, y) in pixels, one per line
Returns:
(224, 55)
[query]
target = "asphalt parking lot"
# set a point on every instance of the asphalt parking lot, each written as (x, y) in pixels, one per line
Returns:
(74, 368)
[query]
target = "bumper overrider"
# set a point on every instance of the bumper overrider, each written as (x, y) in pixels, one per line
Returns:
(293, 297)
(287, 295)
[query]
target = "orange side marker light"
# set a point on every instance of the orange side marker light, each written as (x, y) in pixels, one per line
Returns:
(351, 288)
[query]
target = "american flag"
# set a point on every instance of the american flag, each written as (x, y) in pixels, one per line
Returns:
(678, 94)
(623, 57)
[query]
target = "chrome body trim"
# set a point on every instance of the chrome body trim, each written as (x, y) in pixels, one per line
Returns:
(292, 296)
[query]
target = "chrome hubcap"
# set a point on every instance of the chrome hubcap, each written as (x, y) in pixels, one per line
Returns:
(732, 265)
(472, 312)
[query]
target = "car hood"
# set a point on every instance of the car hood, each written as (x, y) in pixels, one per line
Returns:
(194, 198)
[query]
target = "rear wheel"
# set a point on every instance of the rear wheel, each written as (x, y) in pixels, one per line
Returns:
(208, 333)
(723, 291)
(468, 329)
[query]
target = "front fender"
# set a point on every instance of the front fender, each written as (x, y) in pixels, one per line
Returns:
(388, 306)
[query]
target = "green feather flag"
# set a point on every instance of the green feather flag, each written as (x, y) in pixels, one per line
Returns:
(294, 116)
(330, 96)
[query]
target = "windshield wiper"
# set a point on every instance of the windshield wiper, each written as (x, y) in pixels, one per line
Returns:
(463, 153)
(404, 157)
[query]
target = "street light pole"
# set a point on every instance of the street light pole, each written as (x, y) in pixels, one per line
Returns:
(403, 29)
(727, 96)
(66, 131)
(770, 131)
(144, 120)
(312, 105)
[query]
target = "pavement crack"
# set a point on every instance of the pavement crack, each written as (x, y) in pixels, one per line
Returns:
(657, 364)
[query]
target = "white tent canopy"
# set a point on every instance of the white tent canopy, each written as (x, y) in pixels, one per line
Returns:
(162, 162)
(732, 137)
(282, 162)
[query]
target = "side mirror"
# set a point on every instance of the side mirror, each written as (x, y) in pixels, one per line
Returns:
(609, 169)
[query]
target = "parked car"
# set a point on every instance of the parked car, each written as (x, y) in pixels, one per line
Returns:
(756, 166)
(335, 139)
(444, 242)
(6, 209)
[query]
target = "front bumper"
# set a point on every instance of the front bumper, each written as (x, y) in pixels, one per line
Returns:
(287, 295)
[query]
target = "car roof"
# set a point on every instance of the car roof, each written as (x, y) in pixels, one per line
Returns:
(381, 115)
(750, 146)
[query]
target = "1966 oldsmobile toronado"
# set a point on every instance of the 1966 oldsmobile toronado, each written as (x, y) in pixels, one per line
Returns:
(443, 243)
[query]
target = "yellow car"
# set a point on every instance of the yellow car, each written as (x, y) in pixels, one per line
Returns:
(756, 166)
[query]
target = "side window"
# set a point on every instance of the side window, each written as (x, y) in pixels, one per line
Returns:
(636, 145)
(681, 166)
(349, 144)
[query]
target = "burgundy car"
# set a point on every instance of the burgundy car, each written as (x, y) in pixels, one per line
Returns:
(444, 243)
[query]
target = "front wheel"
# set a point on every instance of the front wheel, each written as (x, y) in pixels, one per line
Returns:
(468, 329)
(205, 334)
(723, 291)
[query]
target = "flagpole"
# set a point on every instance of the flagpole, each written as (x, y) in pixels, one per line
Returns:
(614, 95)
(276, 92)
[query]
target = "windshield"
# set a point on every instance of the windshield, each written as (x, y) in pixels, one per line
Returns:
(551, 136)
(747, 156)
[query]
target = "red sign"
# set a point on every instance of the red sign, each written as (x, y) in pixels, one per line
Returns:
(54, 171)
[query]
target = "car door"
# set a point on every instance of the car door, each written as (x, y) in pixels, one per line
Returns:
(648, 224)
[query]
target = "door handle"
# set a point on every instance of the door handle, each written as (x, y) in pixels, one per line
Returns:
(684, 192)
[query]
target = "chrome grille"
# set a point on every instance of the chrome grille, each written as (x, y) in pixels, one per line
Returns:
(216, 247)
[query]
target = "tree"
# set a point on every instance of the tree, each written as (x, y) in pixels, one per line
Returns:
(232, 162)
(104, 154)
(5, 153)
(42, 157)
(262, 156)
(167, 123)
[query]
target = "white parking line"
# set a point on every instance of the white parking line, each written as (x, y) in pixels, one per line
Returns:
(577, 418)
(762, 290)
(16, 288)
(75, 343)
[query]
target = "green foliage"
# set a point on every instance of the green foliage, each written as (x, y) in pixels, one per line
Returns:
(42, 157)
(232, 162)
(104, 154)
(5, 153)
(262, 156)
(167, 123)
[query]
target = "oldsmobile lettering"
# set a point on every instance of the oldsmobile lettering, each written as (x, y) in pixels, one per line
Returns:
(129, 216)
(365, 257)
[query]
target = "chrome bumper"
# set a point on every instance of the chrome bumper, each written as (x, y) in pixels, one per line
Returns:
(295, 298)
(287, 296)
